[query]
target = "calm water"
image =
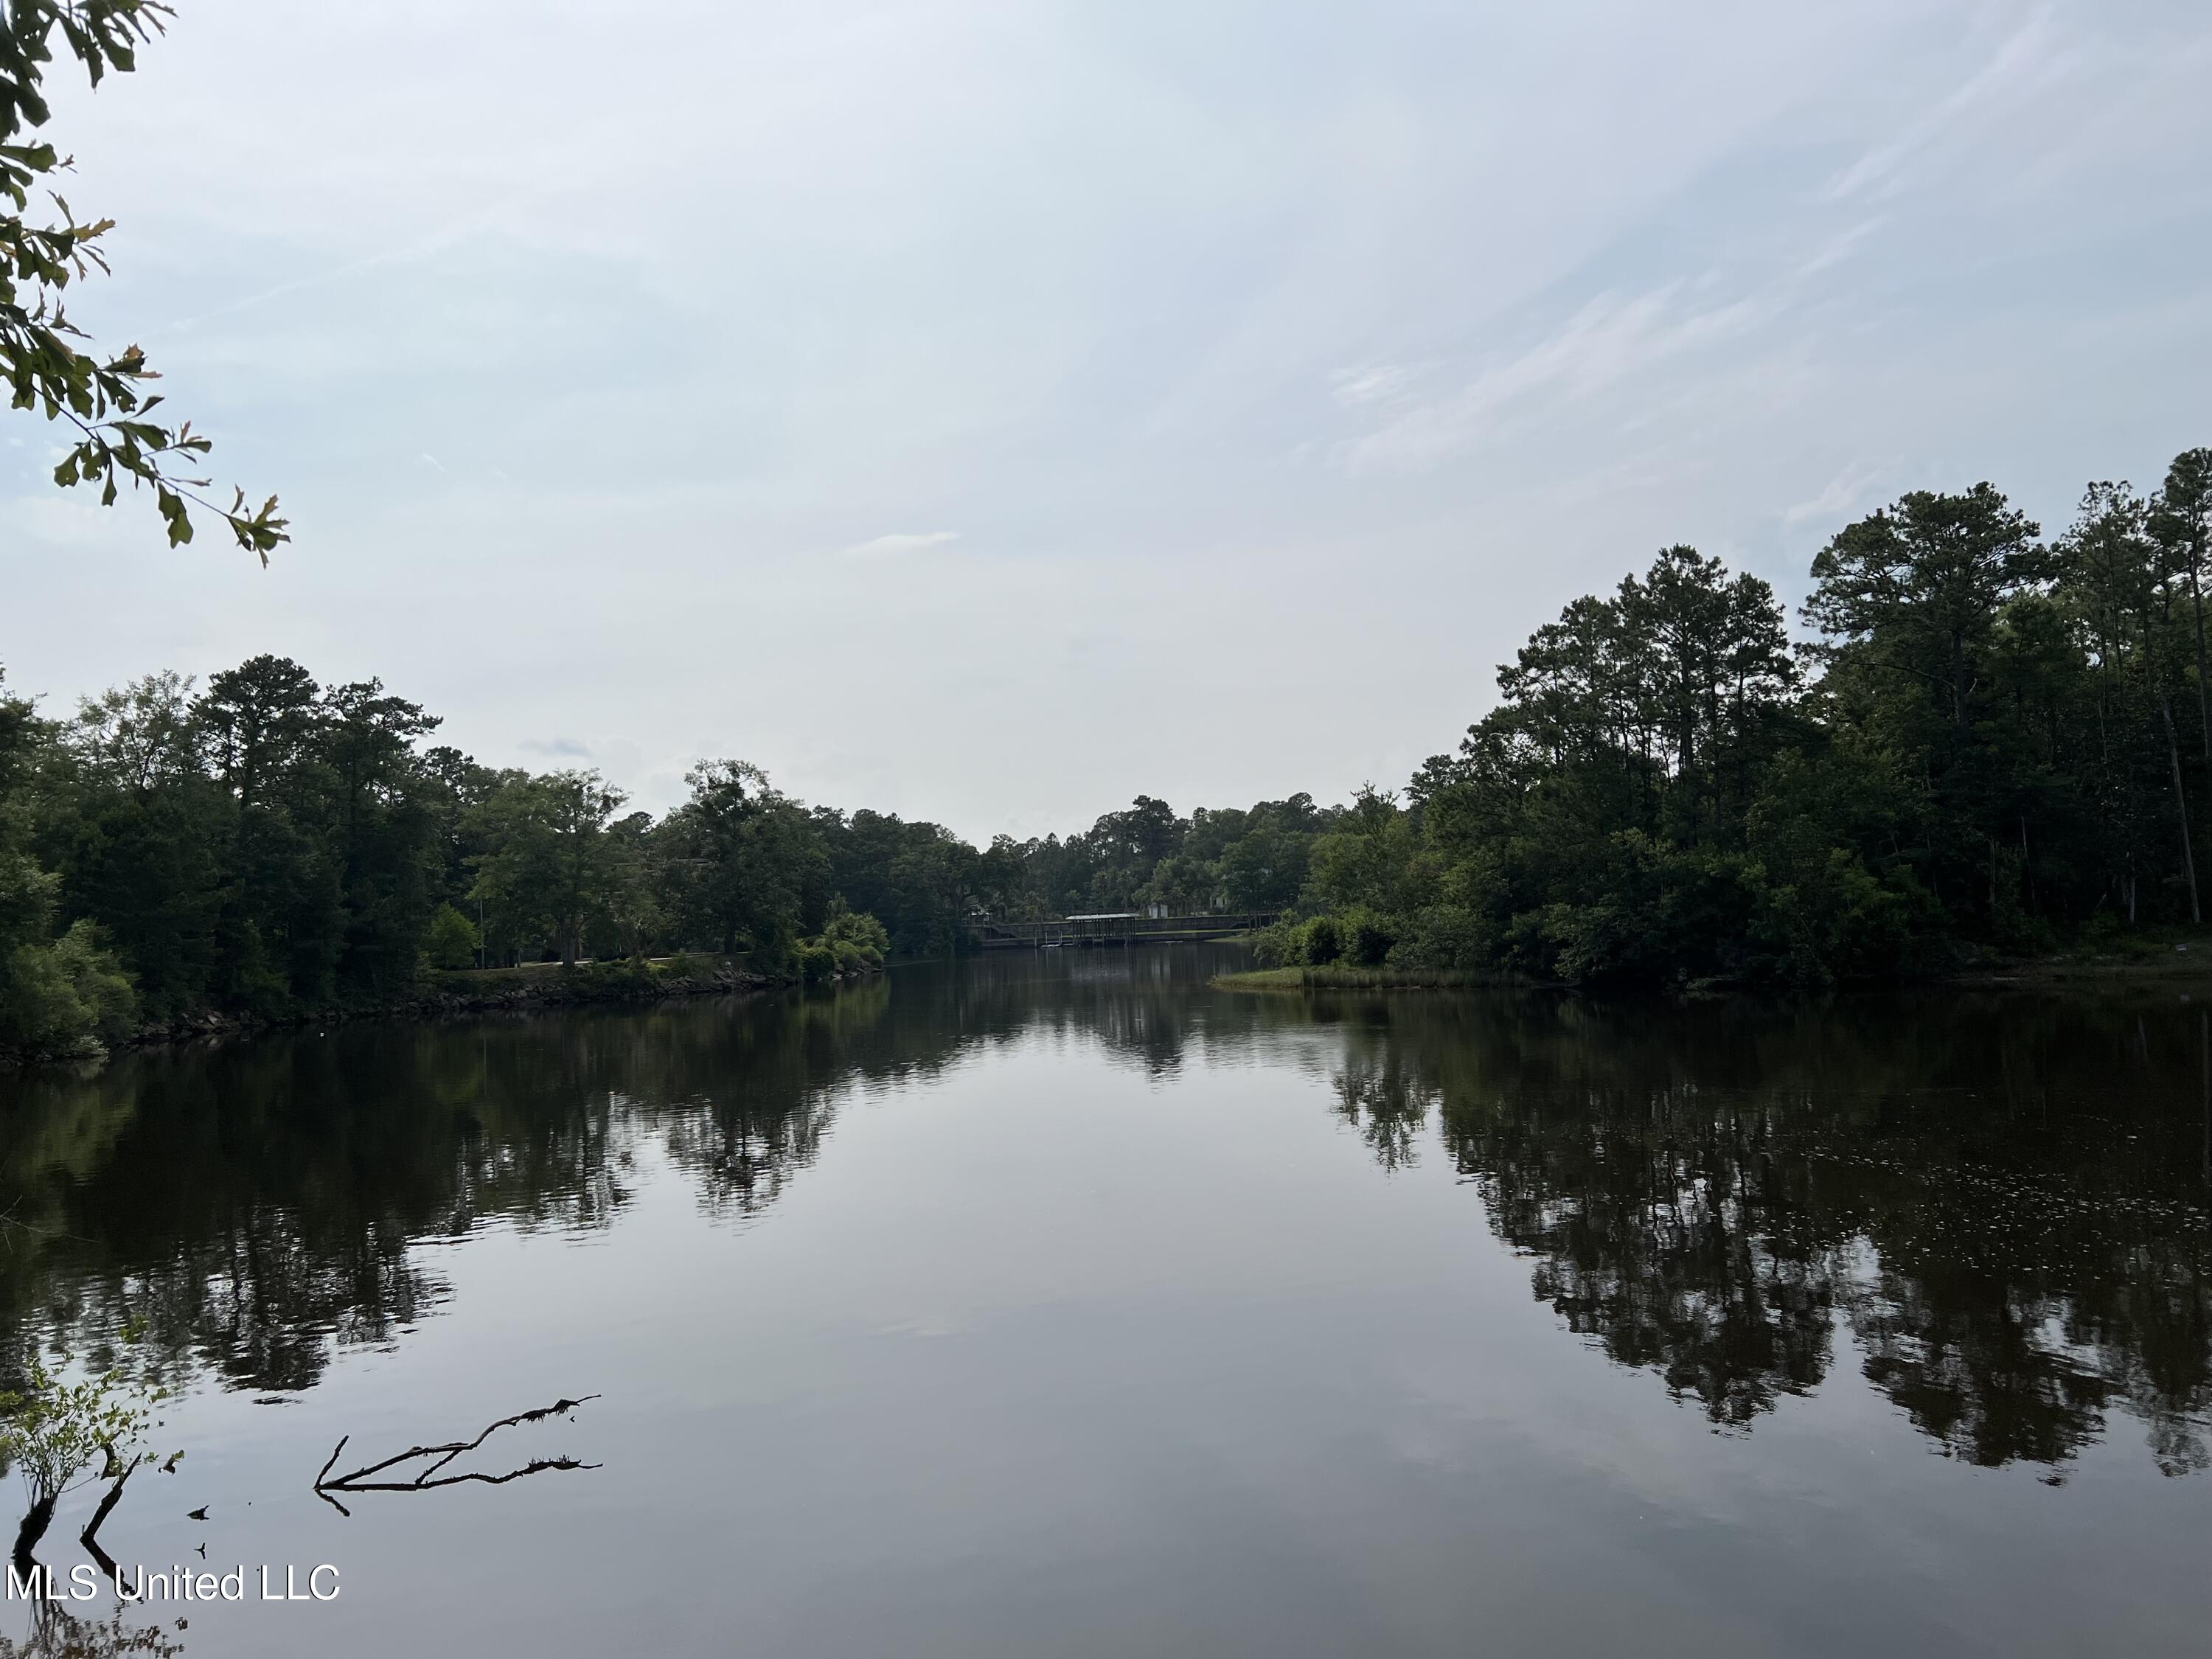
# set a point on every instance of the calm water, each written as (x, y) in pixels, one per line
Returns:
(1054, 1304)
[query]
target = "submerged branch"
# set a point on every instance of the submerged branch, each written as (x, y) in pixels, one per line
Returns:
(535, 1466)
(428, 1478)
(90, 1536)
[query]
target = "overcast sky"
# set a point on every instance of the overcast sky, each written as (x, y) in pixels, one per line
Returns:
(988, 411)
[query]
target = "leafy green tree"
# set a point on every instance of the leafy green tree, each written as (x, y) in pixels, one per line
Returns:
(2124, 583)
(1007, 880)
(922, 880)
(260, 720)
(1182, 883)
(1118, 856)
(2181, 519)
(1373, 858)
(386, 832)
(1264, 863)
(450, 941)
(931, 877)
(134, 826)
(452, 785)
(1709, 660)
(1917, 590)
(637, 912)
(47, 362)
(550, 868)
(1914, 603)
(57, 997)
(281, 932)
(1595, 824)
(745, 861)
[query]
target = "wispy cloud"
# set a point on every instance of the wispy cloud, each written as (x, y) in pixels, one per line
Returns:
(561, 748)
(1376, 383)
(900, 543)
(1843, 492)
(1837, 248)
(1607, 342)
(2029, 58)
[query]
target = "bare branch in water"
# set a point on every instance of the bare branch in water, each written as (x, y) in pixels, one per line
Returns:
(428, 1477)
(90, 1536)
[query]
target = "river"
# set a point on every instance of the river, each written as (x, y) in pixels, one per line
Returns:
(1056, 1303)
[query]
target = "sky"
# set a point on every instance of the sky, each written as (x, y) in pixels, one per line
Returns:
(986, 412)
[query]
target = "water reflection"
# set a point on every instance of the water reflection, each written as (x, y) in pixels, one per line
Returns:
(2002, 1201)
(1993, 1209)
(56, 1633)
(257, 1204)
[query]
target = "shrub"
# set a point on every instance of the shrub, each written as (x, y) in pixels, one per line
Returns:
(1366, 937)
(1289, 943)
(1445, 939)
(858, 929)
(52, 1432)
(1321, 943)
(65, 999)
(851, 942)
(451, 940)
(1280, 943)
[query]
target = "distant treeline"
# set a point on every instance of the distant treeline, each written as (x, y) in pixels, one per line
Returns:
(264, 846)
(1985, 741)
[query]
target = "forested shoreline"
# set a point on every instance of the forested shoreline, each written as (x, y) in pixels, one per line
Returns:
(262, 847)
(1981, 742)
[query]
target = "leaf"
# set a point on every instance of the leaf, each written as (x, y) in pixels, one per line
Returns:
(41, 367)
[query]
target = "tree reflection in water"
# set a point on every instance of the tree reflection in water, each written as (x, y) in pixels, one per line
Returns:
(257, 1205)
(58, 1633)
(2003, 1200)
(1994, 1207)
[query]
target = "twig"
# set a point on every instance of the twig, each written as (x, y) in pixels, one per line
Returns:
(535, 1466)
(427, 1478)
(452, 1449)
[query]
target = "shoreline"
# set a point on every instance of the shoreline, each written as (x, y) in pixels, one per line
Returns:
(449, 993)
(2163, 965)
(1330, 977)
(444, 994)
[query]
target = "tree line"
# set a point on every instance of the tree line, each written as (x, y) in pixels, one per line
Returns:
(265, 846)
(1983, 741)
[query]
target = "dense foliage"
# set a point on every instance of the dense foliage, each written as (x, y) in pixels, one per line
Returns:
(267, 846)
(1988, 741)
